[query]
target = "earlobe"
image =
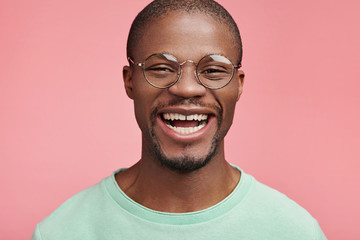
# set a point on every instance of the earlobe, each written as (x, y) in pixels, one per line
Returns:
(128, 83)
(240, 77)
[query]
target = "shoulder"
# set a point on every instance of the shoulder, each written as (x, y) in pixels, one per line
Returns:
(274, 210)
(81, 200)
(77, 212)
(272, 200)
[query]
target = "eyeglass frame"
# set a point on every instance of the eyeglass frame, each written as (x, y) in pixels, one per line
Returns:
(142, 65)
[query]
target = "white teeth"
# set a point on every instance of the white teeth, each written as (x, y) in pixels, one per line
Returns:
(178, 116)
(187, 130)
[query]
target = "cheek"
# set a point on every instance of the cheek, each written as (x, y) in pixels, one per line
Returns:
(140, 99)
(140, 115)
(140, 85)
(228, 97)
(144, 97)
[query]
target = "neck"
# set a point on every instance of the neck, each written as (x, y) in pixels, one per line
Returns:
(159, 188)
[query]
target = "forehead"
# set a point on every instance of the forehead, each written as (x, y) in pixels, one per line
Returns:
(187, 36)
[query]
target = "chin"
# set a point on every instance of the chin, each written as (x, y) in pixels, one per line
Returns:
(185, 163)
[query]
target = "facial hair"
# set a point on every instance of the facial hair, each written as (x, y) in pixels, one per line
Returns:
(185, 163)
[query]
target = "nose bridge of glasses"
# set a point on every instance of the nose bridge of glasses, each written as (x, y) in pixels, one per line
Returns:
(187, 61)
(187, 84)
(192, 63)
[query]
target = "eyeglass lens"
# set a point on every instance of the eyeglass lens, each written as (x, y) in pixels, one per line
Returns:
(213, 71)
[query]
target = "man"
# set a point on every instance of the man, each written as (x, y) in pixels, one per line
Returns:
(184, 78)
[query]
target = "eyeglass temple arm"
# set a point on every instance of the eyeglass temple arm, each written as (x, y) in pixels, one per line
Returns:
(132, 62)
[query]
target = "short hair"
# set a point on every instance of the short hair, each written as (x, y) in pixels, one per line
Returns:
(160, 8)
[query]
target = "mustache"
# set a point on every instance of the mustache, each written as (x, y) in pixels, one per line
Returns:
(191, 101)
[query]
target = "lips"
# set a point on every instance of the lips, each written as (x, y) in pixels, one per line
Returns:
(185, 122)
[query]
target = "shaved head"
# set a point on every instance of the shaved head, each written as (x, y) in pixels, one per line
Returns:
(159, 8)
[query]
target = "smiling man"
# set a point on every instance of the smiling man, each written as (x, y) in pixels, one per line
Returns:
(184, 78)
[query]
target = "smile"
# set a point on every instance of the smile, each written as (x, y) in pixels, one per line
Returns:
(185, 124)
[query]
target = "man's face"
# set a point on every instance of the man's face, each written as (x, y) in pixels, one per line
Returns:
(183, 145)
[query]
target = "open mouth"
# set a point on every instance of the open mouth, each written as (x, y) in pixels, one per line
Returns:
(185, 124)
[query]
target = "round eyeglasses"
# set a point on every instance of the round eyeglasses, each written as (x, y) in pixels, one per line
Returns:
(163, 70)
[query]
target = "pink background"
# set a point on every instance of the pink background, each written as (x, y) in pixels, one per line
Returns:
(65, 121)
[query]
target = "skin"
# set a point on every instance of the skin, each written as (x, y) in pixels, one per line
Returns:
(148, 182)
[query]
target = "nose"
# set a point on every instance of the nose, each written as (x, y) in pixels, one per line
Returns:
(187, 86)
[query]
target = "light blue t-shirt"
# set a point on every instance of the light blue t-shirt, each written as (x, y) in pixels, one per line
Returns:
(251, 211)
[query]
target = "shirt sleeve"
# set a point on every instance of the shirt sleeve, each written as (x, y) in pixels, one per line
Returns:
(36, 235)
(318, 232)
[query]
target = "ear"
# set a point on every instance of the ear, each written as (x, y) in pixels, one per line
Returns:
(128, 82)
(240, 75)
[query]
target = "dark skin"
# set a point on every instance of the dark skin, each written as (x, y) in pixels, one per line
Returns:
(148, 182)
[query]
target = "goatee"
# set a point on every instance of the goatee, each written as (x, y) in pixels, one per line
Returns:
(185, 163)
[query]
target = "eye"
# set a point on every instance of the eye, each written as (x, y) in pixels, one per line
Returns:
(161, 68)
(214, 72)
(161, 71)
